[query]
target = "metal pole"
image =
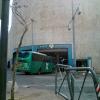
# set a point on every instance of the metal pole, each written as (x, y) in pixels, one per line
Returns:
(83, 85)
(56, 79)
(3, 48)
(32, 33)
(73, 31)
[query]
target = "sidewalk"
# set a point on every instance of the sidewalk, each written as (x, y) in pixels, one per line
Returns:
(35, 94)
(42, 87)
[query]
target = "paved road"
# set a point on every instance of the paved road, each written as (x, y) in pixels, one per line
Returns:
(40, 84)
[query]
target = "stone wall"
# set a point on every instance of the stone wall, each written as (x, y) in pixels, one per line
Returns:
(51, 18)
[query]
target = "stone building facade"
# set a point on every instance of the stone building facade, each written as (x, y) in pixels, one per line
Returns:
(50, 26)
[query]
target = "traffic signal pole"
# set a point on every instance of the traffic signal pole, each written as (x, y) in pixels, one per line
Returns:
(3, 46)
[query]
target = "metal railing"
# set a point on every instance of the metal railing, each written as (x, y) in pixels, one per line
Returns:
(69, 77)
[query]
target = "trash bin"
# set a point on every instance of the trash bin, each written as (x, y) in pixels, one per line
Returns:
(89, 61)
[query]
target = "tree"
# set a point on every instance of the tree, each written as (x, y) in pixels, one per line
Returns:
(16, 9)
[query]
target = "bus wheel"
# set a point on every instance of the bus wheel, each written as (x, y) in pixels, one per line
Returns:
(39, 72)
(27, 73)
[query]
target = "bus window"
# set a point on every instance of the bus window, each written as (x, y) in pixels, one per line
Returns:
(38, 57)
(41, 57)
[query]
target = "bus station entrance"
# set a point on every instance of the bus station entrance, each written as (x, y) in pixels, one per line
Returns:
(60, 55)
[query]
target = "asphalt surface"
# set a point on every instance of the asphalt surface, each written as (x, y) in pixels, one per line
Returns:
(42, 87)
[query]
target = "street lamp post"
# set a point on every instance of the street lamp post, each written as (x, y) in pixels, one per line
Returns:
(73, 31)
(32, 33)
(77, 11)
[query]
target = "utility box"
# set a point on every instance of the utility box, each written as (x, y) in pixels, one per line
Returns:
(84, 62)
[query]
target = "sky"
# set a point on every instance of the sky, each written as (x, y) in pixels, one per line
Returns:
(0, 26)
(10, 15)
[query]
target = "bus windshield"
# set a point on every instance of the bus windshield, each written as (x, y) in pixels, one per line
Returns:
(23, 54)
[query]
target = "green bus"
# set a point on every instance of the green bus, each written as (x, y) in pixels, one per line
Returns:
(34, 62)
